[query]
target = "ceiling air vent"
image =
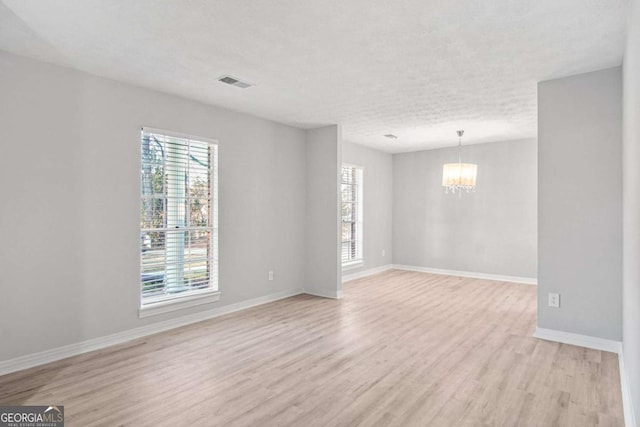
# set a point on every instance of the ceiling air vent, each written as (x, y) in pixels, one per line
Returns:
(391, 136)
(233, 81)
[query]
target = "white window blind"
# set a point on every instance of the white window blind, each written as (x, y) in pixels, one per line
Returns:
(351, 189)
(178, 216)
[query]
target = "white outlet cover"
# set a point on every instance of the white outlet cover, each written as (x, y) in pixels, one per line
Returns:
(554, 300)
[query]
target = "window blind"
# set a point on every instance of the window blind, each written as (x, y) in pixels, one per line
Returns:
(351, 193)
(178, 216)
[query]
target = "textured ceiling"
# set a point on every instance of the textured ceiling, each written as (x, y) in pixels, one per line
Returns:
(419, 69)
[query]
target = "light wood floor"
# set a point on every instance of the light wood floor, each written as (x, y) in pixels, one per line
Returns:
(400, 349)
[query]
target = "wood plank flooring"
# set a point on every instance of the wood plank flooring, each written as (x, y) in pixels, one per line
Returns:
(400, 349)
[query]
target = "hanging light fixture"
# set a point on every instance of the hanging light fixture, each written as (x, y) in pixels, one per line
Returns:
(459, 176)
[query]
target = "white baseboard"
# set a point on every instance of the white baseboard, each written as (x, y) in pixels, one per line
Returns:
(627, 403)
(36, 359)
(498, 277)
(597, 344)
(579, 340)
(331, 295)
(365, 273)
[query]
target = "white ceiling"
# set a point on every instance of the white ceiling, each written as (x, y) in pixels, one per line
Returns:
(420, 69)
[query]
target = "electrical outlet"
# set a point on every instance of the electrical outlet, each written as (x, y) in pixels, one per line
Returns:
(384, 252)
(271, 275)
(554, 300)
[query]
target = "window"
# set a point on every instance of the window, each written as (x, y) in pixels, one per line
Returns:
(178, 219)
(351, 189)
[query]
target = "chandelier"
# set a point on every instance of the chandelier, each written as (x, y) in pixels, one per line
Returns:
(459, 176)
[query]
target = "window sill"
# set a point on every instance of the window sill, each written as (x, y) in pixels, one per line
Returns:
(179, 303)
(351, 265)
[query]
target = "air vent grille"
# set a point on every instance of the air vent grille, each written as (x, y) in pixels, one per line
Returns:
(234, 81)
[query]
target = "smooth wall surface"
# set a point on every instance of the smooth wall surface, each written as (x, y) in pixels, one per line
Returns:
(580, 203)
(69, 216)
(377, 200)
(322, 272)
(631, 156)
(492, 230)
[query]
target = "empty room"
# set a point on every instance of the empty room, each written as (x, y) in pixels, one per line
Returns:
(319, 213)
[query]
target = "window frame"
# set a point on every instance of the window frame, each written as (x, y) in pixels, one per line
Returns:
(211, 293)
(358, 261)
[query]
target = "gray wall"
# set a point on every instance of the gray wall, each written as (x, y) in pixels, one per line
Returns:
(377, 200)
(631, 151)
(492, 230)
(324, 152)
(580, 203)
(69, 216)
